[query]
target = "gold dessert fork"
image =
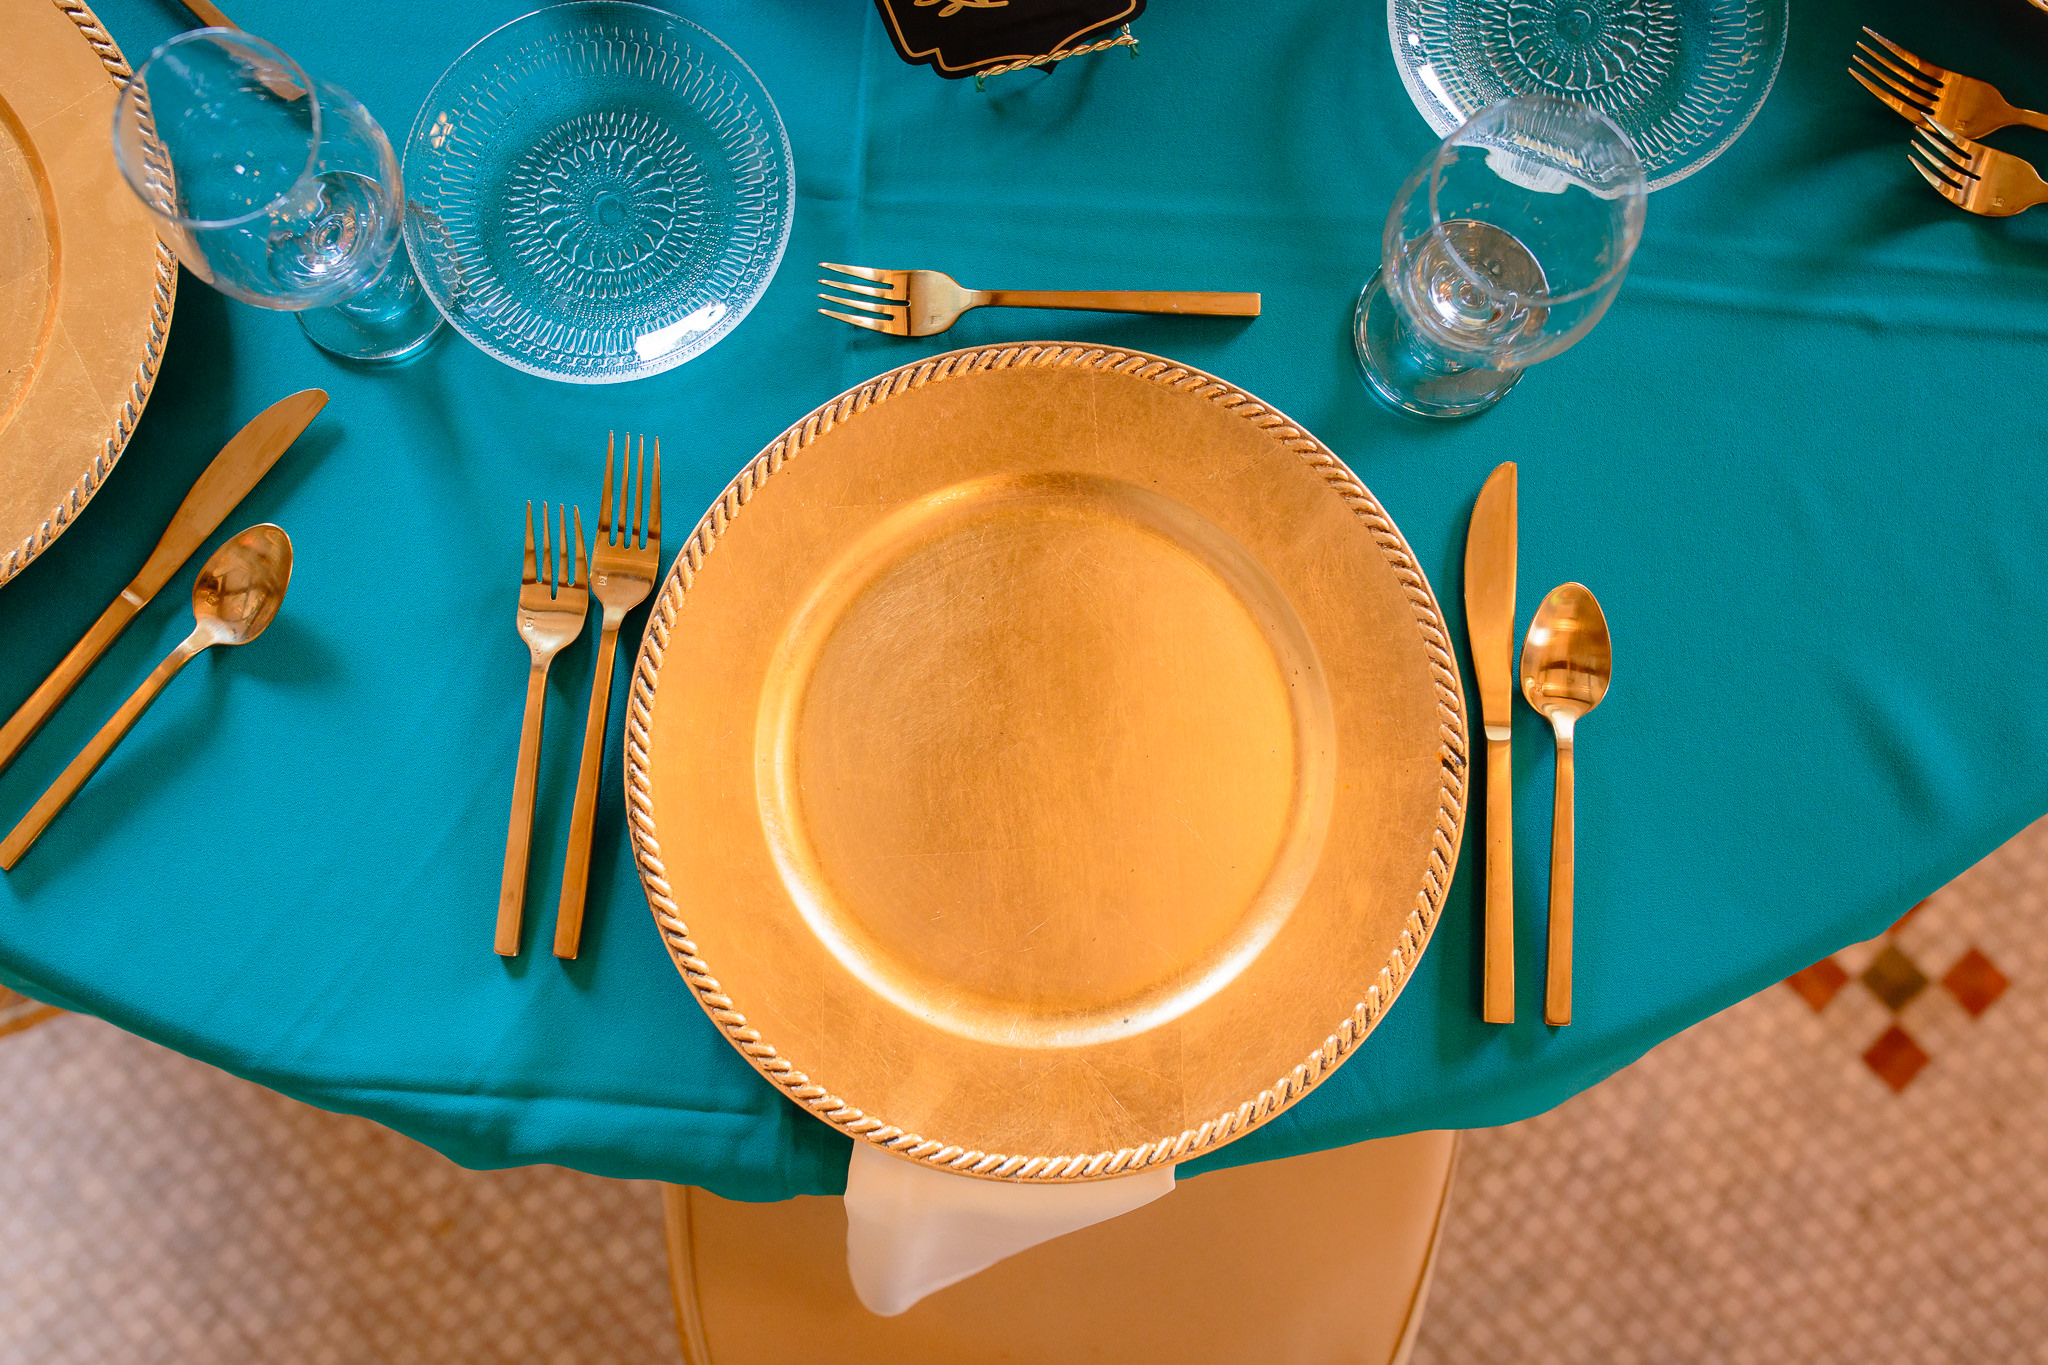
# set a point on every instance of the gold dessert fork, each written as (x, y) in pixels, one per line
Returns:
(1918, 90)
(920, 303)
(554, 597)
(622, 575)
(1975, 177)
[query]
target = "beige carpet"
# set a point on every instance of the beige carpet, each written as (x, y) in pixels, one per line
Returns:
(1850, 1167)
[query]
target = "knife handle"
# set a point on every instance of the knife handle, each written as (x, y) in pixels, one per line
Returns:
(44, 701)
(1498, 1006)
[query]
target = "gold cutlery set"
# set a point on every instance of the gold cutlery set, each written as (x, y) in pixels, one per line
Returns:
(1567, 660)
(234, 599)
(1949, 111)
(554, 600)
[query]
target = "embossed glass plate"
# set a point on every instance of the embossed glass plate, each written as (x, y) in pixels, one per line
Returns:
(1682, 78)
(597, 192)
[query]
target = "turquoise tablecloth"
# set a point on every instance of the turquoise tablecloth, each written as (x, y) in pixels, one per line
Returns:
(1800, 461)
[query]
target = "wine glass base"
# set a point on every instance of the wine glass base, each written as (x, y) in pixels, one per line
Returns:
(391, 318)
(1407, 380)
(352, 335)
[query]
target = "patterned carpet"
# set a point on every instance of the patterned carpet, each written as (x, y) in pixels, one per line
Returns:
(1849, 1167)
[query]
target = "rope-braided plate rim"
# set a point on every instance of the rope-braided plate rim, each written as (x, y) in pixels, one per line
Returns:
(1349, 1032)
(165, 293)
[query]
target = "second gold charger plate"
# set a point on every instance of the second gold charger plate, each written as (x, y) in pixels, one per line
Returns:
(86, 288)
(1045, 762)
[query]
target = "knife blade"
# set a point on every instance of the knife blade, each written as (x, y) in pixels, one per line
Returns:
(241, 464)
(1490, 623)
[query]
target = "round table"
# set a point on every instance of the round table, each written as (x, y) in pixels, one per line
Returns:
(1799, 461)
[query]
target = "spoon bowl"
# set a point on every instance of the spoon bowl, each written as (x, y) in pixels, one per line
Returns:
(1568, 658)
(1567, 661)
(241, 586)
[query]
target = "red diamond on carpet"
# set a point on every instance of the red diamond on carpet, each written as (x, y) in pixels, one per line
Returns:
(1896, 1058)
(1819, 983)
(1975, 982)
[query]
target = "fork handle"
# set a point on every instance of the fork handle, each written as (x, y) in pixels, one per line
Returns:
(519, 838)
(576, 868)
(1127, 301)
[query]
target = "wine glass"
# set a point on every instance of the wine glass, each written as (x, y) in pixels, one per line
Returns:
(1502, 249)
(276, 189)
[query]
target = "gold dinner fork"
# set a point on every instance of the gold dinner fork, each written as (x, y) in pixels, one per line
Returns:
(622, 574)
(1919, 91)
(554, 596)
(919, 303)
(1973, 176)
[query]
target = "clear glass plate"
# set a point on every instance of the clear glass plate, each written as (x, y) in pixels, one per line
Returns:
(1682, 78)
(597, 192)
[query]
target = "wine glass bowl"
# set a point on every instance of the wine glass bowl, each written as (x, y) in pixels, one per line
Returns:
(275, 188)
(1503, 248)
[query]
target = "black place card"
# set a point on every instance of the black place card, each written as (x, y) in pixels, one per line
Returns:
(960, 37)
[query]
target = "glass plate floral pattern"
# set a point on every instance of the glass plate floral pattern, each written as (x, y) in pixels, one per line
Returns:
(597, 192)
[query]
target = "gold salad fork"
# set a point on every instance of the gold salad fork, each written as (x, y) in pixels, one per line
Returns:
(622, 574)
(554, 596)
(1920, 91)
(920, 303)
(1975, 177)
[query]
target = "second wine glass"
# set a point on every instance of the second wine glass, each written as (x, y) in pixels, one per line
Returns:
(1503, 248)
(274, 188)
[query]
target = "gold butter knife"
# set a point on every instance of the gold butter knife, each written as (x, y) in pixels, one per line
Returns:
(241, 464)
(1490, 621)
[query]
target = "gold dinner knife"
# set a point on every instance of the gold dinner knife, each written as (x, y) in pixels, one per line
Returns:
(241, 464)
(1490, 621)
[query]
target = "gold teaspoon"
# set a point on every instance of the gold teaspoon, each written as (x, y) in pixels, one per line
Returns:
(234, 599)
(1567, 661)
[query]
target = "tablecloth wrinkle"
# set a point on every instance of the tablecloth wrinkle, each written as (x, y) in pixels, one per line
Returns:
(1824, 586)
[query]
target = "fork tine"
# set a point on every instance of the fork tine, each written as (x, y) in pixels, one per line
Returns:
(878, 276)
(1942, 187)
(604, 501)
(884, 309)
(582, 562)
(867, 289)
(1934, 167)
(566, 565)
(1925, 68)
(526, 572)
(1912, 113)
(547, 552)
(1897, 76)
(636, 538)
(1890, 83)
(872, 324)
(1934, 138)
(654, 514)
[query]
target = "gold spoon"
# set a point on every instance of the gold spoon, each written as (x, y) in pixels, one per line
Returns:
(1567, 661)
(234, 599)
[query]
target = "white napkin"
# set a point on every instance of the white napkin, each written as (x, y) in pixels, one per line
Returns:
(911, 1230)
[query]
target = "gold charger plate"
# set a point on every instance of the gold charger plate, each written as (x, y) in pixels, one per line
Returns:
(85, 287)
(1045, 762)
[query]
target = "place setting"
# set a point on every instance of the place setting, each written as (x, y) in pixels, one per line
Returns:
(1045, 763)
